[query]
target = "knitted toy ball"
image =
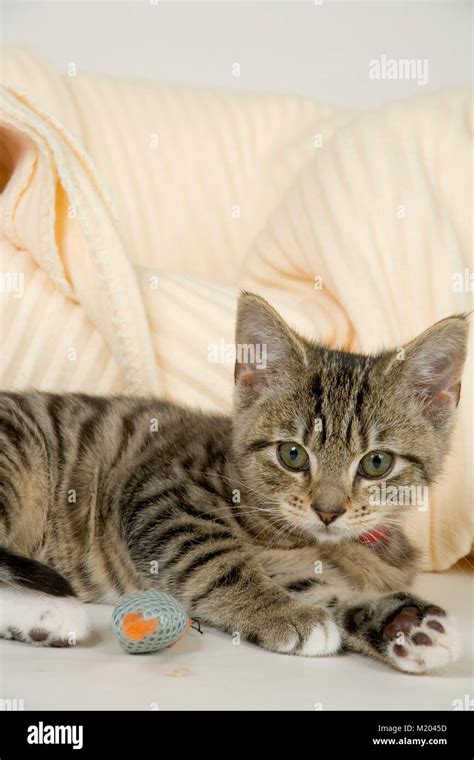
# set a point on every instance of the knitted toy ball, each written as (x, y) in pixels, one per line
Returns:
(148, 621)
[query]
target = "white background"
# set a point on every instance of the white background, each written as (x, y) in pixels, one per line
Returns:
(293, 47)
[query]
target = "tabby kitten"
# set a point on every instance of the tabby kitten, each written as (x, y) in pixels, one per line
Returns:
(263, 523)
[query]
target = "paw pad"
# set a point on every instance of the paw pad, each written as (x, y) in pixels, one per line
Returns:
(417, 642)
(421, 639)
(404, 622)
(38, 634)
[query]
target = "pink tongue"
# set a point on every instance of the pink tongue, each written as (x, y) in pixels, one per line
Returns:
(376, 534)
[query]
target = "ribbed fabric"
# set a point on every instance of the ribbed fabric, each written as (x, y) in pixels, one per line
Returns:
(352, 225)
(46, 340)
(56, 207)
(204, 191)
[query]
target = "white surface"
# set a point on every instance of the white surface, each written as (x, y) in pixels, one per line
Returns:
(225, 676)
(318, 50)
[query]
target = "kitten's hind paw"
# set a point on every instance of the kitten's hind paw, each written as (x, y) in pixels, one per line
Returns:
(42, 620)
(420, 640)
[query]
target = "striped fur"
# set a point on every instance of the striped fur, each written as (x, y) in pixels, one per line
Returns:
(120, 494)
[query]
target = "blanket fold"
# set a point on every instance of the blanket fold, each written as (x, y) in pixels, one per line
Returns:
(54, 207)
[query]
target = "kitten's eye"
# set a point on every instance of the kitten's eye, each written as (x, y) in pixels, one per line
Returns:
(293, 456)
(375, 464)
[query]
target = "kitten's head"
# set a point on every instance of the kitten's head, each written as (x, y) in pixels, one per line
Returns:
(334, 444)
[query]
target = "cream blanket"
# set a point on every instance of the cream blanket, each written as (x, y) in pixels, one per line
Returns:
(132, 213)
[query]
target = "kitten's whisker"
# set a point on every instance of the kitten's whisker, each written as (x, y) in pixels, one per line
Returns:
(233, 480)
(285, 524)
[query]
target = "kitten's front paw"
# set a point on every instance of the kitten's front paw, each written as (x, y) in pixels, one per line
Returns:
(324, 639)
(305, 632)
(421, 639)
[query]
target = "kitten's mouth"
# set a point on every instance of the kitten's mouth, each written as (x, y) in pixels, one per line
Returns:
(332, 533)
(374, 537)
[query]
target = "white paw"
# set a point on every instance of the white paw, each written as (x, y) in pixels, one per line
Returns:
(42, 619)
(323, 640)
(288, 646)
(430, 645)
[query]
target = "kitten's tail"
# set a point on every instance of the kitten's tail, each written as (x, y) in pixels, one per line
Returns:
(31, 575)
(37, 604)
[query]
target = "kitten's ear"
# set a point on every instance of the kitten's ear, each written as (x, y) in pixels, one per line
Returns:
(268, 352)
(433, 364)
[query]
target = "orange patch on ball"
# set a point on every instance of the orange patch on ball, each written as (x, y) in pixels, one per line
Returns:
(136, 628)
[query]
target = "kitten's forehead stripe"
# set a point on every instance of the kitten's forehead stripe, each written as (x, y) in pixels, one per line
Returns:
(338, 389)
(317, 411)
(348, 433)
(308, 430)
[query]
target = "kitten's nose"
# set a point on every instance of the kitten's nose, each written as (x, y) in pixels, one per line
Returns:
(327, 515)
